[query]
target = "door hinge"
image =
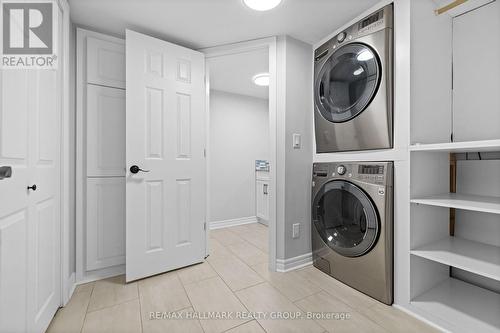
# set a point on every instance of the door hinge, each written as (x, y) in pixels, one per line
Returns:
(205, 152)
(205, 226)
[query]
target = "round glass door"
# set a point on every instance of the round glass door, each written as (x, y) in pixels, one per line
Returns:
(347, 82)
(345, 218)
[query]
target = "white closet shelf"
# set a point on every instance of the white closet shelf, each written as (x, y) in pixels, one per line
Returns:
(477, 203)
(465, 146)
(463, 305)
(474, 257)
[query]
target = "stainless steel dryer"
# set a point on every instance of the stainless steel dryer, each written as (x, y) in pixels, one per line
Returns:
(352, 225)
(353, 87)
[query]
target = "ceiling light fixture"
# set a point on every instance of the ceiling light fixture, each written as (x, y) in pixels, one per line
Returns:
(261, 5)
(261, 79)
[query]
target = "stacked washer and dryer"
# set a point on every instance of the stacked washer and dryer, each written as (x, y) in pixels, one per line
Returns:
(352, 203)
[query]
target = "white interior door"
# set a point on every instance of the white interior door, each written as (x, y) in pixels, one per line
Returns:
(30, 278)
(165, 135)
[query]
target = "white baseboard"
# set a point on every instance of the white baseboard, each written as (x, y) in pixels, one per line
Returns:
(286, 265)
(421, 318)
(233, 222)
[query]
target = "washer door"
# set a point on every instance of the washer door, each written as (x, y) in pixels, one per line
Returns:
(347, 82)
(345, 218)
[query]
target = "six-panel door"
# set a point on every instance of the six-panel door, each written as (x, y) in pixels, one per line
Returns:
(30, 277)
(165, 138)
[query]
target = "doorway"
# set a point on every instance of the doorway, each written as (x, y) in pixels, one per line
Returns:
(241, 177)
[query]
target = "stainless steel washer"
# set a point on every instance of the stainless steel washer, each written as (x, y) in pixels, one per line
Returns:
(353, 87)
(352, 225)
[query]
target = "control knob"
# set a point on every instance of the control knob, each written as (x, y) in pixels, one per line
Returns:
(341, 37)
(341, 170)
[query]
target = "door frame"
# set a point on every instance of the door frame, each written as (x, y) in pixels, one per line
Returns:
(270, 44)
(66, 149)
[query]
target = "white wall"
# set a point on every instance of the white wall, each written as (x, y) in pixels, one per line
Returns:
(476, 74)
(478, 178)
(239, 135)
(430, 74)
(294, 169)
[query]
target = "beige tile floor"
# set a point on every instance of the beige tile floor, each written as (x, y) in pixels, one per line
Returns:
(234, 279)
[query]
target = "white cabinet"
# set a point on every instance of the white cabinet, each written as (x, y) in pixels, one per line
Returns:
(106, 62)
(262, 199)
(105, 241)
(105, 131)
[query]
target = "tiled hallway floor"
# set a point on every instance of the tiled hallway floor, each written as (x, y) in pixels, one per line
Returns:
(234, 279)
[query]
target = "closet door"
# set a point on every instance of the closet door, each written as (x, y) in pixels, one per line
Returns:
(100, 232)
(105, 222)
(106, 63)
(105, 131)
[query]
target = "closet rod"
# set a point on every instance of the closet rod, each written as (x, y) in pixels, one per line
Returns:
(449, 6)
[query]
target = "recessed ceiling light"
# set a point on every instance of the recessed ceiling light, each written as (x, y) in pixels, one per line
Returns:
(261, 79)
(261, 5)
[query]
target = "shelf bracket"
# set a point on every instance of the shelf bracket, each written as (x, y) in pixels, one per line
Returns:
(449, 6)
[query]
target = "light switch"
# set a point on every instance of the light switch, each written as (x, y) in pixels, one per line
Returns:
(296, 230)
(296, 141)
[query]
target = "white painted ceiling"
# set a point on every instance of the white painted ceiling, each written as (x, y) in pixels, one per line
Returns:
(233, 73)
(204, 23)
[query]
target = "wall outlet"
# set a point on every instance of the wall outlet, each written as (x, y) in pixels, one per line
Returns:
(296, 230)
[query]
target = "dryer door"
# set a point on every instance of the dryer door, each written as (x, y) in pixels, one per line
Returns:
(345, 218)
(347, 82)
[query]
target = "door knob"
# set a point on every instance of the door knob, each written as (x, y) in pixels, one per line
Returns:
(135, 169)
(5, 172)
(32, 187)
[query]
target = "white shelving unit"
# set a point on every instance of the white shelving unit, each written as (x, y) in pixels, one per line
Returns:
(474, 257)
(459, 147)
(462, 305)
(454, 247)
(476, 203)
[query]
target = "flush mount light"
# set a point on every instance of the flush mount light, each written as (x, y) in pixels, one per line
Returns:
(261, 79)
(261, 5)
(364, 55)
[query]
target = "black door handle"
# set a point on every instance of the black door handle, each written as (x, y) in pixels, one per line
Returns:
(32, 187)
(135, 169)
